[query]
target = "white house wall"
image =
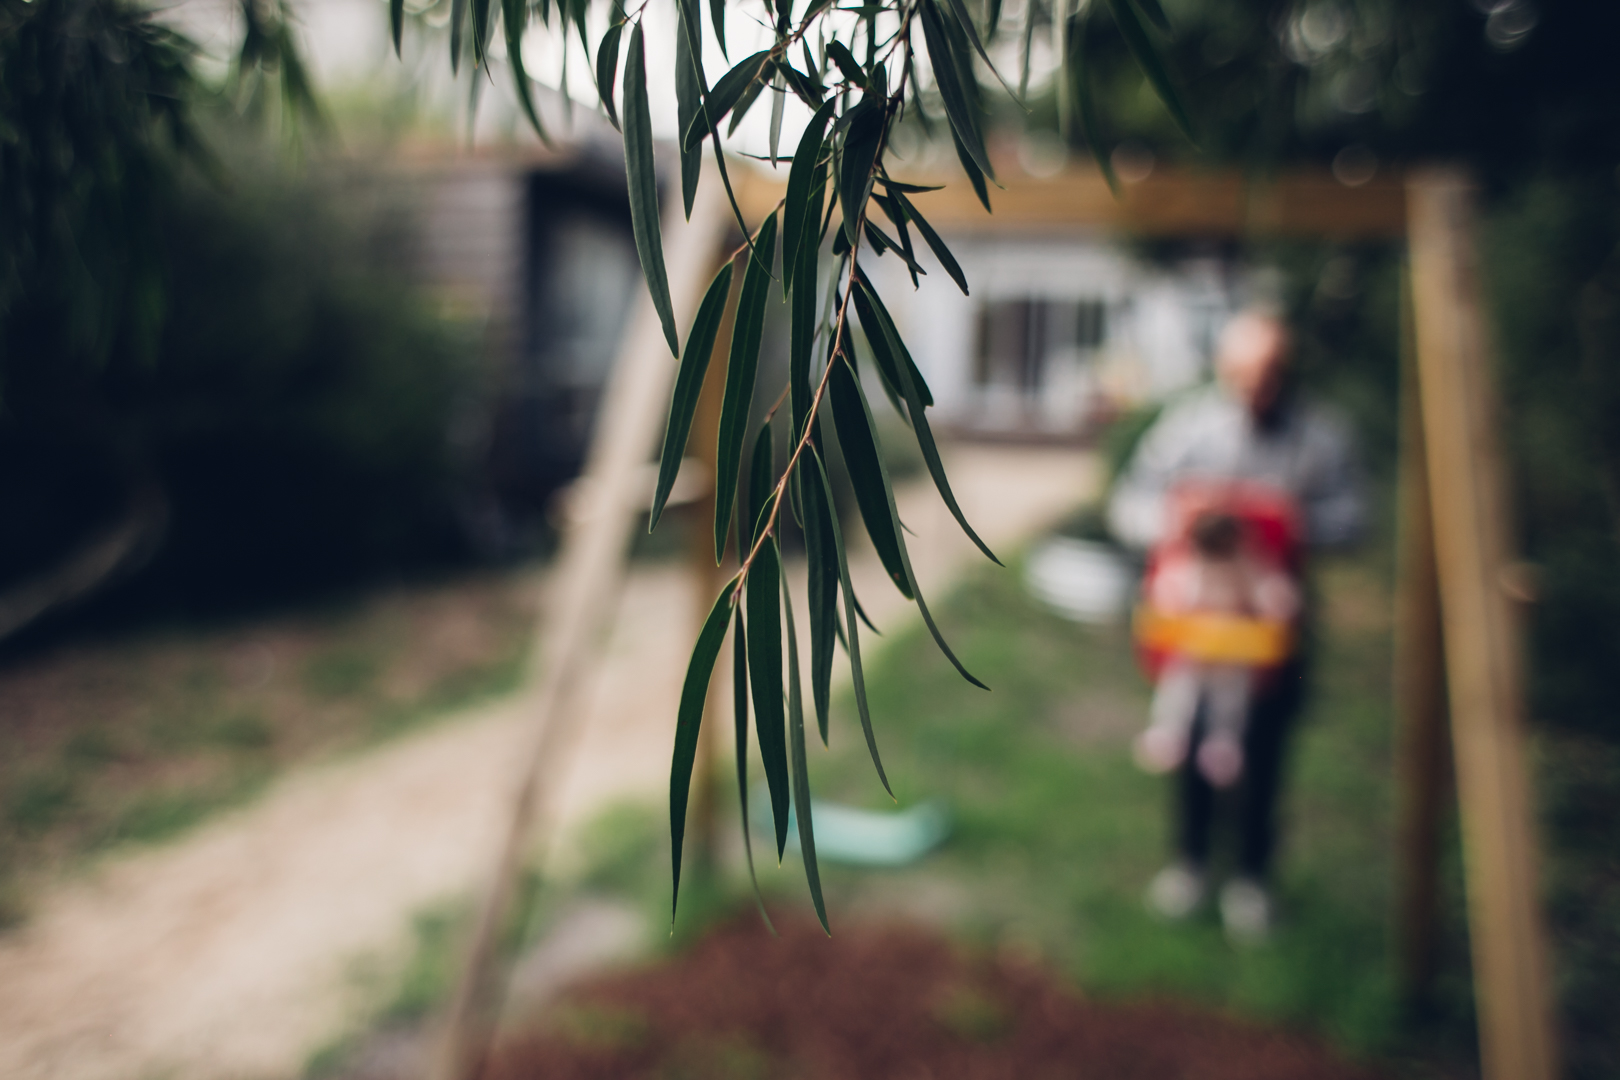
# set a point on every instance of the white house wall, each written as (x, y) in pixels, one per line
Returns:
(1160, 322)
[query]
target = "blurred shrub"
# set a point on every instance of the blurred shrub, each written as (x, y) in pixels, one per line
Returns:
(293, 407)
(1553, 268)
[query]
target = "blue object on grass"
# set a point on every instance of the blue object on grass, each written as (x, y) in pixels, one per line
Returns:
(868, 837)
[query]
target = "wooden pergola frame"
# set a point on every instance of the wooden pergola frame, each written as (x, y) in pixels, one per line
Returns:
(1458, 619)
(1460, 596)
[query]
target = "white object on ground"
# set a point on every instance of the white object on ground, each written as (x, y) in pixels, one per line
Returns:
(1079, 579)
(1246, 911)
(1177, 891)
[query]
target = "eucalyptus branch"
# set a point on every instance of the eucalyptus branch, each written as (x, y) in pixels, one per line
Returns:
(839, 163)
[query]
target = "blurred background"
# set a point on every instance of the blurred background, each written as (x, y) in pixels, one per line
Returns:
(299, 342)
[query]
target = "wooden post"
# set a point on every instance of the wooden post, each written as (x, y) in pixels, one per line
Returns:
(1421, 756)
(584, 588)
(1483, 646)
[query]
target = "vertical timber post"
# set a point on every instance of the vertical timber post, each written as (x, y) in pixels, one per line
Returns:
(1483, 636)
(1421, 757)
(578, 611)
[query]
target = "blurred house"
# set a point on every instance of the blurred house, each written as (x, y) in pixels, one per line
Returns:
(537, 248)
(1061, 332)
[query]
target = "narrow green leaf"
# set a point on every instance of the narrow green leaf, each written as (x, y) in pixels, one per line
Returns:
(641, 171)
(883, 242)
(1032, 16)
(866, 470)
(795, 206)
(396, 22)
(956, 88)
(863, 141)
(992, 22)
(1155, 13)
(576, 9)
(1079, 61)
(821, 588)
(689, 386)
(688, 101)
(742, 367)
(717, 16)
(761, 482)
(725, 94)
(852, 633)
(935, 244)
(896, 214)
(812, 71)
(888, 379)
(458, 17)
(607, 70)
(515, 19)
(765, 679)
(965, 19)
(740, 111)
(739, 710)
(971, 167)
(876, 322)
(909, 189)
(804, 316)
(480, 22)
(865, 618)
(800, 767)
(688, 722)
(1142, 47)
(888, 349)
(839, 54)
(900, 542)
(778, 103)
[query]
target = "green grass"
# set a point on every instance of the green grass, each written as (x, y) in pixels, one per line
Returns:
(139, 739)
(1057, 834)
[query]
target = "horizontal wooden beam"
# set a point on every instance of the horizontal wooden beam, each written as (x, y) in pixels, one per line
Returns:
(1215, 203)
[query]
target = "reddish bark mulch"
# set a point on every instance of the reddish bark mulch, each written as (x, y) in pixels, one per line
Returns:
(884, 1003)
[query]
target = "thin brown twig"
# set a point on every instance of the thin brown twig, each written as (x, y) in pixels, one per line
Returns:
(836, 350)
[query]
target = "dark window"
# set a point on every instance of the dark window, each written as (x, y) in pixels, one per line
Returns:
(1015, 338)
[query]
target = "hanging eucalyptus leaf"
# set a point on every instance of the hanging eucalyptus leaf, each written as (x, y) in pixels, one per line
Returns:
(689, 386)
(800, 768)
(724, 95)
(860, 77)
(688, 724)
(1136, 37)
(875, 320)
(796, 203)
(739, 711)
(852, 612)
(821, 586)
(741, 370)
(765, 660)
(607, 70)
(867, 473)
(688, 98)
(642, 172)
(932, 239)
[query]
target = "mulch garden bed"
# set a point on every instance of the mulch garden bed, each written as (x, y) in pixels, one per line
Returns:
(886, 1003)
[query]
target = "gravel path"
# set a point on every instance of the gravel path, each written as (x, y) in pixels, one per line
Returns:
(253, 941)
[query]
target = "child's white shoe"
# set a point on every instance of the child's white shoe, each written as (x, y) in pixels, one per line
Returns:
(1246, 911)
(1177, 891)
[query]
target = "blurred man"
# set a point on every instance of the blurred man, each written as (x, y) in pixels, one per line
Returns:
(1253, 431)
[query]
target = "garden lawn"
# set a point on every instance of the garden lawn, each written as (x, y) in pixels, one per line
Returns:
(1057, 834)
